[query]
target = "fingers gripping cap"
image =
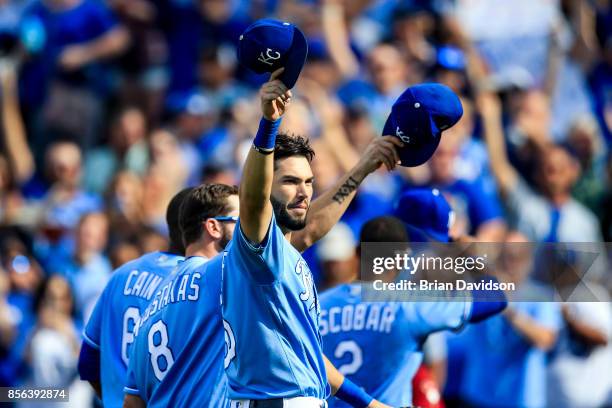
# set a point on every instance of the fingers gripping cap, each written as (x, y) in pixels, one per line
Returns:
(418, 118)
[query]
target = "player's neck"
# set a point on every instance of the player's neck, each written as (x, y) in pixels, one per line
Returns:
(287, 233)
(204, 249)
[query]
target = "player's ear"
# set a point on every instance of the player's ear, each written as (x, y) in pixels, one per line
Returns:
(212, 228)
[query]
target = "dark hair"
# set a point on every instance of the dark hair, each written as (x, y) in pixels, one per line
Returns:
(172, 219)
(384, 229)
(290, 145)
(205, 201)
(381, 229)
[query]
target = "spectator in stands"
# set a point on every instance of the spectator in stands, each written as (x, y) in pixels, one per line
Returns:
(86, 268)
(126, 150)
(578, 372)
(68, 74)
(550, 214)
(124, 206)
(475, 202)
(65, 201)
(54, 344)
(336, 254)
(505, 356)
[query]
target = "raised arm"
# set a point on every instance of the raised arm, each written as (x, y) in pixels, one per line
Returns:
(258, 171)
(327, 210)
(490, 112)
(15, 139)
(108, 45)
(336, 35)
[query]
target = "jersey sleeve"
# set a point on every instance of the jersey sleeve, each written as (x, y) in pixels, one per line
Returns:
(436, 316)
(93, 329)
(261, 263)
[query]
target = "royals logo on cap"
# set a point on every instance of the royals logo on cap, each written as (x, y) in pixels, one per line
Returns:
(418, 118)
(268, 45)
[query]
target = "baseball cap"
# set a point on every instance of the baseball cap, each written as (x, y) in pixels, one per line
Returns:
(426, 213)
(418, 118)
(267, 45)
(337, 245)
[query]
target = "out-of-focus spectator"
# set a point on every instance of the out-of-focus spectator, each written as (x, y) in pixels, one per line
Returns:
(578, 372)
(24, 275)
(194, 115)
(144, 76)
(586, 144)
(505, 356)
(54, 344)
(86, 268)
(16, 161)
(217, 69)
(601, 85)
(550, 214)
(68, 74)
(151, 240)
(474, 202)
(124, 206)
(65, 201)
(123, 252)
(126, 150)
(336, 253)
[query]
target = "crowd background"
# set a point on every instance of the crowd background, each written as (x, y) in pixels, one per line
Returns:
(109, 107)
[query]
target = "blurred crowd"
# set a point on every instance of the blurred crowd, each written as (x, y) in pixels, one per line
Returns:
(109, 107)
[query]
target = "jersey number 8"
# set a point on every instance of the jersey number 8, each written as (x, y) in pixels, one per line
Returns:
(157, 351)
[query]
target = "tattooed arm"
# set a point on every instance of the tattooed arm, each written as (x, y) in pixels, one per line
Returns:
(327, 210)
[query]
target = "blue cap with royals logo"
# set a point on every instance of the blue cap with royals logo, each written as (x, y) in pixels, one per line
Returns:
(267, 45)
(426, 213)
(418, 118)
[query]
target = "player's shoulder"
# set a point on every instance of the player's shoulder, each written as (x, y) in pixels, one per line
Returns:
(344, 292)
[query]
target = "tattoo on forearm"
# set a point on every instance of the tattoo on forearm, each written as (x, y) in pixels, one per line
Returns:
(345, 190)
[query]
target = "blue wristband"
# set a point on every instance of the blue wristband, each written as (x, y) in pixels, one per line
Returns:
(89, 363)
(266, 135)
(350, 393)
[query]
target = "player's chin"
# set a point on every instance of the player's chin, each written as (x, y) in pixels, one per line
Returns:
(296, 220)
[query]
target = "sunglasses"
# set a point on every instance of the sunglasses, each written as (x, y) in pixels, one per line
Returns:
(224, 218)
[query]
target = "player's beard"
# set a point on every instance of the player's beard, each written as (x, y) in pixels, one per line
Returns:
(284, 219)
(226, 237)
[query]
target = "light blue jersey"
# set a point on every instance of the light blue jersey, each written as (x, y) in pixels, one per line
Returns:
(177, 359)
(271, 318)
(111, 325)
(378, 344)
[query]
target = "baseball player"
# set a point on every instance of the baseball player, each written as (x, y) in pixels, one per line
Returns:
(378, 344)
(109, 333)
(178, 353)
(269, 301)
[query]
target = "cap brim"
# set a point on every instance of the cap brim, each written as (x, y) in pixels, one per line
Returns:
(296, 58)
(414, 156)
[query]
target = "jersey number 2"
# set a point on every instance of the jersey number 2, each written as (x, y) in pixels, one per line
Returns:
(157, 351)
(350, 347)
